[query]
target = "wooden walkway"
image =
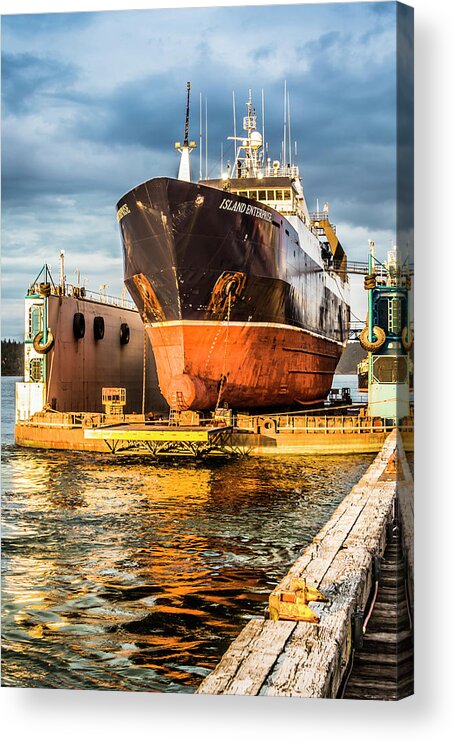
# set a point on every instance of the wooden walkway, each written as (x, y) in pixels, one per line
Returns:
(383, 669)
(311, 660)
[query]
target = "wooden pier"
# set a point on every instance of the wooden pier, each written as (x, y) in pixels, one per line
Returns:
(296, 658)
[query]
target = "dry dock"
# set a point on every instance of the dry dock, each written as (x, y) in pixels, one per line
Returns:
(257, 435)
(296, 658)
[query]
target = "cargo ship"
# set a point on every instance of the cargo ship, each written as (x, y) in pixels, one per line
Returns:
(244, 293)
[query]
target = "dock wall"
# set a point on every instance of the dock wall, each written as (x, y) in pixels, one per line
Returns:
(77, 370)
(292, 658)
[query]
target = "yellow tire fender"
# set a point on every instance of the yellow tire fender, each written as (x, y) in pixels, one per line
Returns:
(407, 339)
(372, 345)
(41, 347)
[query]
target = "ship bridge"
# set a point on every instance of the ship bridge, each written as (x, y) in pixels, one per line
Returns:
(278, 192)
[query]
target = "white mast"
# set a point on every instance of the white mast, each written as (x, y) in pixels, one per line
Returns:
(206, 141)
(285, 136)
(200, 136)
(263, 121)
(235, 130)
(289, 129)
(62, 271)
(187, 147)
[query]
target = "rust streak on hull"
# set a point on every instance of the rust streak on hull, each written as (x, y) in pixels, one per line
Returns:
(262, 365)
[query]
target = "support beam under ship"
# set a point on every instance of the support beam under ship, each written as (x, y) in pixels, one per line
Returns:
(244, 295)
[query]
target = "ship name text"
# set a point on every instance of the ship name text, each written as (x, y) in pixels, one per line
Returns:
(229, 205)
(123, 211)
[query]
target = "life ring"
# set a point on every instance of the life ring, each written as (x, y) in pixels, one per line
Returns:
(43, 347)
(372, 345)
(78, 325)
(124, 334)
(407, 339)
(98, 328)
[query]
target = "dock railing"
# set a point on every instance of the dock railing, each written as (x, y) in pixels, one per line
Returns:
(262, 424)
(271, 425)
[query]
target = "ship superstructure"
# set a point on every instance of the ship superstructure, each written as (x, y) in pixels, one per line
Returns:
(243, 291)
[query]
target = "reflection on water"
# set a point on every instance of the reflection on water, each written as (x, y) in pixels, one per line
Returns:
(134, 575)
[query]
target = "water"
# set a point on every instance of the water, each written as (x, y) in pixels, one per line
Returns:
(136, 575)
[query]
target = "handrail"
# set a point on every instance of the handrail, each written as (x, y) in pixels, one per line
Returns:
(293, 423)
(80, 292)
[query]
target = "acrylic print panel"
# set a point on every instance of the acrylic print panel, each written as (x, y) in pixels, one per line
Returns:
(208, 350)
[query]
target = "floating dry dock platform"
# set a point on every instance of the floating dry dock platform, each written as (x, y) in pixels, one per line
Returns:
(160, 441)
(299, 658)
(253, 434)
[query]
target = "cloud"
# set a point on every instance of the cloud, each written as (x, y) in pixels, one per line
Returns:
(27, 78)
(93, 103)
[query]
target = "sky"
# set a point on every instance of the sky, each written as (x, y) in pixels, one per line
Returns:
(92, 104)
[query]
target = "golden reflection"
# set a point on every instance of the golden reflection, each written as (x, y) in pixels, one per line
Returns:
(132, 574)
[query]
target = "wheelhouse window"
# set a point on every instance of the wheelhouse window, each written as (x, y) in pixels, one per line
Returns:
(36, 369)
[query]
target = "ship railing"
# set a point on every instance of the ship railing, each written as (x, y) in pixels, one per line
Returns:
(286, 171)
(48, 418)
(324, 424)
(81, 292)
(268, 171)
(100, 297)
(320, 216)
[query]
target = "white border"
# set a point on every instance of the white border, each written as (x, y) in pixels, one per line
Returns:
(47, 715)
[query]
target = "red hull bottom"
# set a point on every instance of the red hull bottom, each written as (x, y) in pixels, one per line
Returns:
(262, 365)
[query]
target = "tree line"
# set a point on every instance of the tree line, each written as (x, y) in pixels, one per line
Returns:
(12, 358)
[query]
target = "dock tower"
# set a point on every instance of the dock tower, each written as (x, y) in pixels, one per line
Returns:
(387, 336)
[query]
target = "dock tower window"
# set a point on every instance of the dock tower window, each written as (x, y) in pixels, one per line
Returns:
(382, 313)
(36, 369)
(35, 320)
(394, 318)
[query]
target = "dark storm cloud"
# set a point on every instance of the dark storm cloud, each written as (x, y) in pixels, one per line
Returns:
(26, 78)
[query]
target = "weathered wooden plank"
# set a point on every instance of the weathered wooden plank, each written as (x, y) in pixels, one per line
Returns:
(289, 658)
(217, 681)
(248, 660)
(262, 655)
